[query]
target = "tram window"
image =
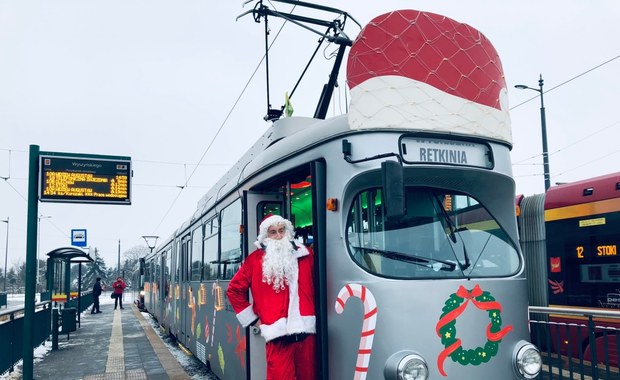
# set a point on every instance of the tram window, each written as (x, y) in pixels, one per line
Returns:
(442, 235)
(167, 264)
(176, 262)
(210, 266)
(231, 240)
(301, 210)
(157, 269)
(196, 251)
(185, 256)
(266, 208)
(147, 272)
(210, 250)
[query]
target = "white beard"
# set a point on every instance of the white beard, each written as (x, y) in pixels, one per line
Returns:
(279, 264)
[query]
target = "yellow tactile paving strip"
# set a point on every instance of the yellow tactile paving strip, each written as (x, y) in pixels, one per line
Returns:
(116, 352)
(115, 367)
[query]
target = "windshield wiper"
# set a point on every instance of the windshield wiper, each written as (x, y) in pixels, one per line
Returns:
(467, 263)
(453, 232)
(415, 259)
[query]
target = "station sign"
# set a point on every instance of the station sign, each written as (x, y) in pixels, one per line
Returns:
(78, 237)
(81, 178)
(418, 150)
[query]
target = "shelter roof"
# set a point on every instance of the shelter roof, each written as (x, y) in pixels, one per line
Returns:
(73, 254)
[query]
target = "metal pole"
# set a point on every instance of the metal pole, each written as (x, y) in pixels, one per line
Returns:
(38, 243)
(543, 123)
(54, 328)
(6, 250)
(79, 298)
(118, 272)
(31, 256)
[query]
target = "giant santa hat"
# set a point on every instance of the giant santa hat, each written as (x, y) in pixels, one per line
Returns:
(426, 72)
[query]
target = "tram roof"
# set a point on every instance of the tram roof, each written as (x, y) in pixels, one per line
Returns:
(585, 191)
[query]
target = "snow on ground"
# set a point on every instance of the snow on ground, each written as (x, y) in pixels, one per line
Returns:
(38, 354)
(194, 367)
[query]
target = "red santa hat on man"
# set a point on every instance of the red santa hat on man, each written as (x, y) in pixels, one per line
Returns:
(273, 220)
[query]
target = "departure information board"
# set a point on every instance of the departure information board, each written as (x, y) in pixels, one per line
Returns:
(81, 178)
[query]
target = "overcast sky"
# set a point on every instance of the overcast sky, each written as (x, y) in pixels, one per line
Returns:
(156, 80)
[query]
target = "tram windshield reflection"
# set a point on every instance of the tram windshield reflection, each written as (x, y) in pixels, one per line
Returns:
(441, 235)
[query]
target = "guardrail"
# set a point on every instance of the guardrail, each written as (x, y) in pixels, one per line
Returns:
(12, 327)
(11, 331)
(576, 343)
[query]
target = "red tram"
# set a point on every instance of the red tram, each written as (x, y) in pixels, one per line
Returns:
(579, 225)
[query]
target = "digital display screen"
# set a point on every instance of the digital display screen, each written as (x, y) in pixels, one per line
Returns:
(84, 179)
(598, 251)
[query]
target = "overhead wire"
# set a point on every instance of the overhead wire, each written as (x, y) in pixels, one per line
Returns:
(199, 164)
(567, 81)
(567, 146)
(520, 162)
(174, 201)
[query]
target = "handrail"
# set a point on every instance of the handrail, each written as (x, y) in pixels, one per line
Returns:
(37, 305)
(575, 311)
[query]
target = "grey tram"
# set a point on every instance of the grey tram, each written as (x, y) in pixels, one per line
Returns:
(407, 201)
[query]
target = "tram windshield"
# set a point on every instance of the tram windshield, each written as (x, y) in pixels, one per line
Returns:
(441, 235)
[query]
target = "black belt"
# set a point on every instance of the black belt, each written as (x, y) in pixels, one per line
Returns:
(290, 338)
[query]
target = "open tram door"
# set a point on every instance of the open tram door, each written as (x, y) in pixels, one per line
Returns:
(297, 195)
(258, 204)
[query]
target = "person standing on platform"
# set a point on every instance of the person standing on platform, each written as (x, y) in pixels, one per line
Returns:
(118, 286)
(280, 274)
(96, 294)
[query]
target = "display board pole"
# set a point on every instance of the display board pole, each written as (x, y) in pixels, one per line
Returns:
(31, 263)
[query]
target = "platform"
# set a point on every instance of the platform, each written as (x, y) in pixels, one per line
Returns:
(115, 344)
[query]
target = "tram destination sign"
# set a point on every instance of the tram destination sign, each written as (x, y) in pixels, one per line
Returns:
(417, 150)
(82, 178)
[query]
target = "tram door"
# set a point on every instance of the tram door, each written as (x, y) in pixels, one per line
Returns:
(185, 255)
(258, 205)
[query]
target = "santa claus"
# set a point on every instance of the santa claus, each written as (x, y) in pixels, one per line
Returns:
(280, 275)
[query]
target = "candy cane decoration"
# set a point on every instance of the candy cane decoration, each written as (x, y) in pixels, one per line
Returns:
(214, 292)
(368, 329)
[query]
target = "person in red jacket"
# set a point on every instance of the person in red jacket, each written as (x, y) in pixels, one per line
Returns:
(118, 286)
(280, 274)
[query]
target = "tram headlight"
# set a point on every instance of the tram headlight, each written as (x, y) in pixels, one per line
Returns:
(528, 361)
(406, 365)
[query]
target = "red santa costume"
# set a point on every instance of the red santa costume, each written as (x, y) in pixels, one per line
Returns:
(280, 276)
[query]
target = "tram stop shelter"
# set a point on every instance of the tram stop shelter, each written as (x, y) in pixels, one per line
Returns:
(59, 261)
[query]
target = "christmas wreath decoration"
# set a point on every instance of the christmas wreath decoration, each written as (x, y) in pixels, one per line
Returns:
(446, 328)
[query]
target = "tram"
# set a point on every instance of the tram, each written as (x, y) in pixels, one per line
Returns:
(407, 201)
(570, 236)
